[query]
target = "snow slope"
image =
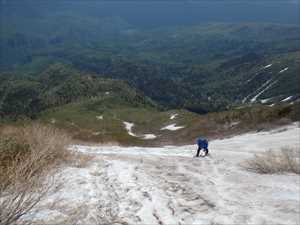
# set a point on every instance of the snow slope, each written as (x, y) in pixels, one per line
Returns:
(135, 185)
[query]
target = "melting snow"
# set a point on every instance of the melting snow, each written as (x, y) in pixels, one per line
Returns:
(265, 100)
(267, 66)
(99, 117)
(136, 185)
(173, 116)
(264, 90)
(245, 99)
(149, 136)
(285, 69)
(172, 127)
(287, 99)
(128, 127)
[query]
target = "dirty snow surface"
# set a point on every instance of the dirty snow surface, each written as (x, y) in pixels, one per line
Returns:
(166, 185)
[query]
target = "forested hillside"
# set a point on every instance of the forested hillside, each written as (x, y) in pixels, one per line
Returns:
(27, 96)
(202, 68)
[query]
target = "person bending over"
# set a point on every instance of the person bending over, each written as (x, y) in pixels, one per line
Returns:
(202, 144)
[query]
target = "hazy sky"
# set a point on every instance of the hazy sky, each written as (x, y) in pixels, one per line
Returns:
(172, 12)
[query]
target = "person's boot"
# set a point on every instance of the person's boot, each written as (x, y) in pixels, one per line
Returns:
(206, 152)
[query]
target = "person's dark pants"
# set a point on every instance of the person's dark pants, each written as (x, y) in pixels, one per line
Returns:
(199, 149)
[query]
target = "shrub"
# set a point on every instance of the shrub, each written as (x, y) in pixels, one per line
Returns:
(285, 160)
(27, 155)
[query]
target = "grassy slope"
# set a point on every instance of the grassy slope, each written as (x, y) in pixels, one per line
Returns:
(82, 120)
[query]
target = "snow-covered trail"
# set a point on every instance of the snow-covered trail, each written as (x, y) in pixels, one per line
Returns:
(167, 186)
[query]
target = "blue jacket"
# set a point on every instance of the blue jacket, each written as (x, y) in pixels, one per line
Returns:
(202, 143)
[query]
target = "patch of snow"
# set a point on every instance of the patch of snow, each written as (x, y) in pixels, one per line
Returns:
(263, 101)
(234, 123)
(247, 81)
(172, 127)
(287, 99)
(245, 99)
(149, 136)
(173, 116)
(267, 66)
(267, 85)
(128, 127)
(272, 105)
(285, 69)
(107, 93)
(99, 117)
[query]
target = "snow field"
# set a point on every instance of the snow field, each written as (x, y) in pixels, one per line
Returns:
(166, 185)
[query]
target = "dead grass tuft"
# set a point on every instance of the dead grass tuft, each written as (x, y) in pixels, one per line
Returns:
(27, 156)
(285, 160)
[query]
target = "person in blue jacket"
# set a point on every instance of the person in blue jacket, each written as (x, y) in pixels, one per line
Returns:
(202, 144)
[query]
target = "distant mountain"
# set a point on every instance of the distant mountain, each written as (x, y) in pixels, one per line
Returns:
(202, 68)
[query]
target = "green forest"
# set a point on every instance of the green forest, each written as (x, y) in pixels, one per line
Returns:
(51, 59)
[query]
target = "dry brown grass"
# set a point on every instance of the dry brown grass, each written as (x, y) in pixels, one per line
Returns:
(27, 157)
(285, 160)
